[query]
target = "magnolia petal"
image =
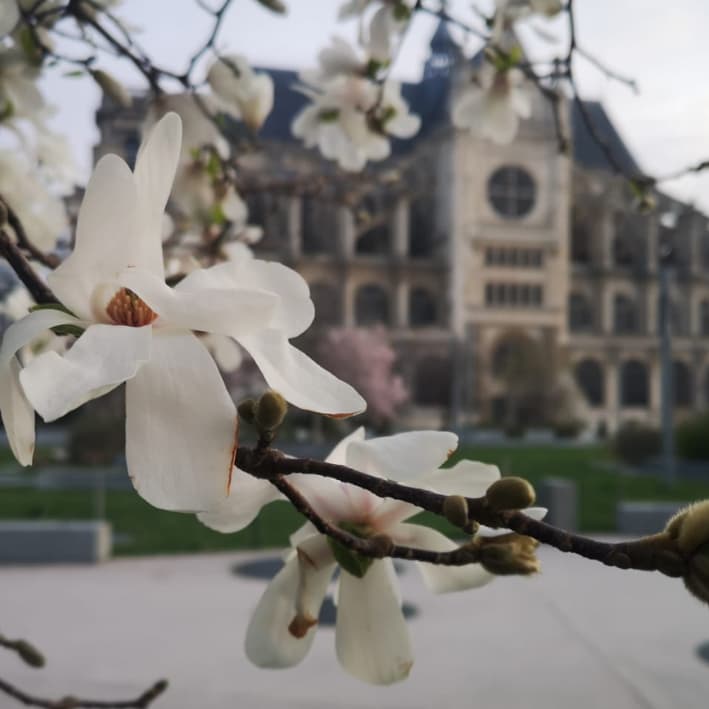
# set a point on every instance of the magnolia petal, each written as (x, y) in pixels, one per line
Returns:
(269, 643)
(108, 237)
(467, 477)
(371, 637)
(298, 378)
(338, 455)
(9, 16)
(23, 331)
(294, 311)
(403, 455)
(181, 426)
(234, 312)
(101, 359)
(303, 533)
(316, 564)
(439, 578)
(17, 413)
(155, 170)
(247, 497)
(537, 513)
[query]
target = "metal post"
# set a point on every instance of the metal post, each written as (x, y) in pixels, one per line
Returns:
(666, 366)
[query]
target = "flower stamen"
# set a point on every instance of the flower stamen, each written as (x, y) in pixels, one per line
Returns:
(126, 308)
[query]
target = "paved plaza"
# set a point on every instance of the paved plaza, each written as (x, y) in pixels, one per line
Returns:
(578, 636)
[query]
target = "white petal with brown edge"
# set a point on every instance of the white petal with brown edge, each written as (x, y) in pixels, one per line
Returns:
(180, 426)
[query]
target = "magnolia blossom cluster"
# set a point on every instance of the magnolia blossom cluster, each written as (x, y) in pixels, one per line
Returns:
(33, 160)
(181, 426)
(354, 108)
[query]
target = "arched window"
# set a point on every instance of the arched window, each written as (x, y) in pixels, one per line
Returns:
(589, 377)
(580, 313)
(319, 226)
(623, 255)
(422, 308)
(511, 191)
(682, 383)
(328, 304)
(625, 317)
(432, 384)
(634, 383)
(374, 241)
(704, 318)
(580, 241)
(422, 227)
(371, 305)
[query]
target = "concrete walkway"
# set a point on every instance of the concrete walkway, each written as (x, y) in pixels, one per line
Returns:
(579, 636)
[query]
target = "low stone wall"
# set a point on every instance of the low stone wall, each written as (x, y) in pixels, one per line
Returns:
(644, 517)
(51, 542)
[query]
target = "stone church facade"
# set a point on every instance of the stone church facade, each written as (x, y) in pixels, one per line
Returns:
(494, 268)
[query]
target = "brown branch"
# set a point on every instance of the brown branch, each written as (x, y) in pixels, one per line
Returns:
(34, 284)
(69, 702)
(646, 553)
(24, 242)
(376, 547)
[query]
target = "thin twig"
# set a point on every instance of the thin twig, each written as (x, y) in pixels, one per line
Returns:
(34, 284)
(70, 702)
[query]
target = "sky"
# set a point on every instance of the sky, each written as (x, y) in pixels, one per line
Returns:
(662, 45)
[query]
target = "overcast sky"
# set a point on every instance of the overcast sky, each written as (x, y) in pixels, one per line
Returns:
(662, 45)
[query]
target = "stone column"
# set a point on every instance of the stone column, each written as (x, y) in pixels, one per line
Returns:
(295, 228)
(401, 307)
(612, 392)
(400, 229)
(345, 233)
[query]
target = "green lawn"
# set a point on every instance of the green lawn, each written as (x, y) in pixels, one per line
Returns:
(145, 530)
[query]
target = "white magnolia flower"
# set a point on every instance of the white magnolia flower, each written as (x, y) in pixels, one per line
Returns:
(351, 117)
(492, 107)
(181, 423)
(244, 93)
(512, 10)
(371, 636)
(20, 96)
(41, 213)
(9, 16)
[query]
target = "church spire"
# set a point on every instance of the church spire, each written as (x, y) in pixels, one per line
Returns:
(444, 52)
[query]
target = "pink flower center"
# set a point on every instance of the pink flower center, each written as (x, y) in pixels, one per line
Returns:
(126, 308)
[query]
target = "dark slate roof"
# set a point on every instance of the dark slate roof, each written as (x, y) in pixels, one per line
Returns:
(587, 152)
(429, 99)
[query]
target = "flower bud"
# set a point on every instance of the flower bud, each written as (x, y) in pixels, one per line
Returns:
(381, 545)
(511, 554)
(690, 527)
(510, 494)
(274, 6)
(270, 410)
(696, 579)
(247, 410)
(455, 510)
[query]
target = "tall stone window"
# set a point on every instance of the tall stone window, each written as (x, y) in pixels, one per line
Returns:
(375, 241)
(580, 240)
(511, 191)
(432, 382)
(328, 304)
(589, 377)
(319, 226)
(422, 227)
(580, 313)
(682, 383)
(372, 305)
(423, 310)
(704, 318)
(625, 315)
(634, 387)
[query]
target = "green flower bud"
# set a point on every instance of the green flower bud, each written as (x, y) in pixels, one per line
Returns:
(690, 527)
(511, 554)
(510, 494)
(30, 654)
(696, 579)
(270, 410)
(247, 410)
(455, 510)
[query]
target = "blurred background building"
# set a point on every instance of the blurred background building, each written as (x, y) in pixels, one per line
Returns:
(518, 285)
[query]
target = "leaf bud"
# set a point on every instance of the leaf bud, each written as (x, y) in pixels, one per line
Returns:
(455, 510)
(510, 493)
(511, 554)
(112, 88)
(274, 6)
(30, 654)
(270, 410)
(381, 545)
(247, 410)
